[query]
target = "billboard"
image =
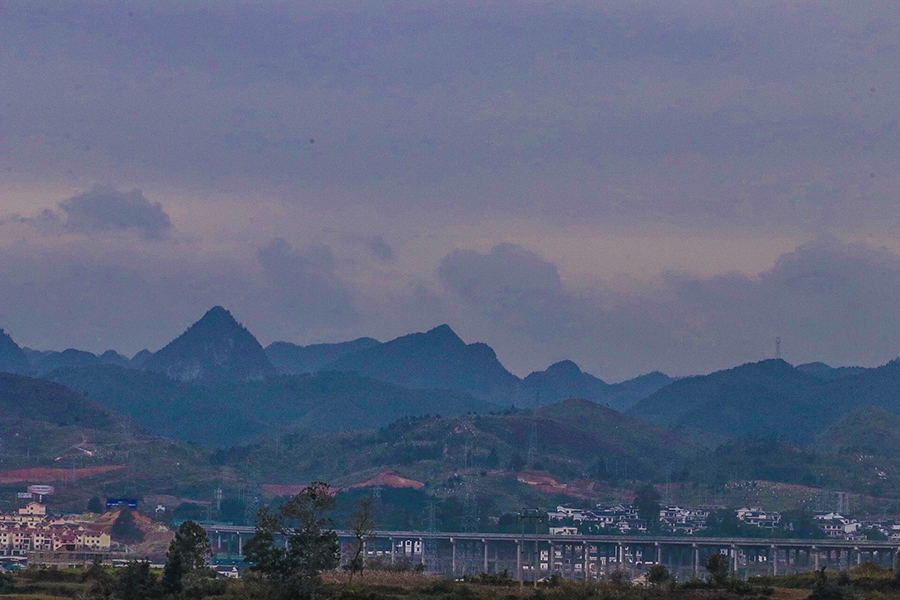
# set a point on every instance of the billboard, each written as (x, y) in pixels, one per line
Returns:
(24, 495)
(41, 490)
(121, 502)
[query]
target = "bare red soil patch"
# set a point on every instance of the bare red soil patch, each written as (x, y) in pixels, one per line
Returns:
(48, 475)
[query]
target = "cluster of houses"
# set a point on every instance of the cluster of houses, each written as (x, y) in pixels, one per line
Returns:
(31, 530)
(680, 520)
(624, 518)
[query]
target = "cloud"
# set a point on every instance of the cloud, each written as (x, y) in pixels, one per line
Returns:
(104, 209)
(108, 209)
(827, 300)
(308, 295)
(380, 249)
(516, 287)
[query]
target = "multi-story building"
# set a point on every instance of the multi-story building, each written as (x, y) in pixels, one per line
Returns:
(30, 529)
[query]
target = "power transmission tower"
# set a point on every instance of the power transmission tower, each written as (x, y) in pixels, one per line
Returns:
(532, 440)
(250, 510)
(777, 346)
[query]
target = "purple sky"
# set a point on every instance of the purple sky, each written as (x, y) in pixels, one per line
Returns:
(633, 185)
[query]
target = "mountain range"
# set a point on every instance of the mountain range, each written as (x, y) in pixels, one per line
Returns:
(428, 405)
(217, 350)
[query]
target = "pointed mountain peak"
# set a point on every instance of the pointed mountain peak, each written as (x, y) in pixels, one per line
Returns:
(444, 332)
(217, 316)
(215, 349)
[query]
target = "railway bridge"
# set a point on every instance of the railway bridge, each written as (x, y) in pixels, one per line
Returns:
(529, 557)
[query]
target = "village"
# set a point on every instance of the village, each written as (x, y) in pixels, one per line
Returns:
(696, 520)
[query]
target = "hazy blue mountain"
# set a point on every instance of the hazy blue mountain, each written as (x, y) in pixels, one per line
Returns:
(24, 397)
(12, 358)
(764, 398)
(292, 359)
(436, 359)
(561, 381)
(622, 396)
(44, 361)
(827, 372)
(238, 412)
(875, 388)
(566, 380)
(137, 361)
(111, 357)
(214, 350)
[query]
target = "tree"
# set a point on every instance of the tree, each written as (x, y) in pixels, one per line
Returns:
(94, 505)
(361, 523)
(125, 528)
(646, 499)
(192, 543)
(174, 571)
(136, 582)
(659, 575)
(618, 578)
(800, 524)
(260, 551)
(724, 523)
(717, 566)
(188, 551)
(312, 546)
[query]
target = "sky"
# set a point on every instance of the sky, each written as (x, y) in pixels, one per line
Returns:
(634, 186)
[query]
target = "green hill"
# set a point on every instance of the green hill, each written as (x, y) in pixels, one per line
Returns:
(24, 397)
(864, 431)
(574, 439)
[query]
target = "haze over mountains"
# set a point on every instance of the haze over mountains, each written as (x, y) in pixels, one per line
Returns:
(348, 411)
(218, 370)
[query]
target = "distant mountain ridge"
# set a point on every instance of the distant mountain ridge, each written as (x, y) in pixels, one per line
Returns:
(772, 397)
(237, 412)
(12, 357)
(292, 359)
(41, 362)
(829, 373)
(564, 380)
(214, 350)
(763, 398)
(436, 359)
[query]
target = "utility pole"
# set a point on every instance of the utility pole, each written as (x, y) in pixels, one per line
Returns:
(535, 516)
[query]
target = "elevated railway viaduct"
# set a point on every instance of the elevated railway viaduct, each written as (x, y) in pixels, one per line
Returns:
(529, 556)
